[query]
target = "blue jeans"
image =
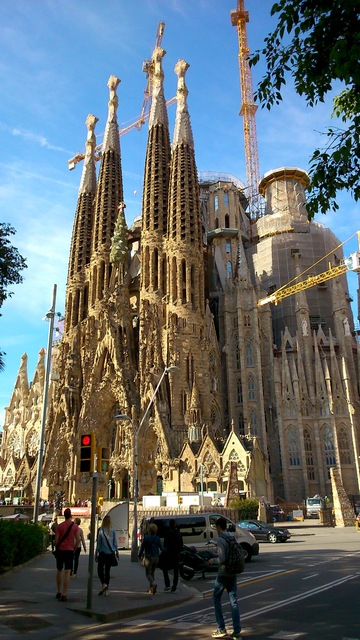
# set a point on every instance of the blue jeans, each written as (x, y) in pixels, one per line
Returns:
(230, 584)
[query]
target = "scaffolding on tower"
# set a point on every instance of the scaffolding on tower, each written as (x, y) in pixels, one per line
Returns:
(239, 18)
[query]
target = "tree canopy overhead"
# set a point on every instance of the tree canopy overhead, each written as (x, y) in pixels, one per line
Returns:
(318, 43)
(11, 263)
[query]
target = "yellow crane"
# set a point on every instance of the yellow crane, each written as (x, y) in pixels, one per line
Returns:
(239, 18)
(148, 68)
(352, 263)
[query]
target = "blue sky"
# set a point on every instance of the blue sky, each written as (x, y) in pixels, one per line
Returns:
(55, 60)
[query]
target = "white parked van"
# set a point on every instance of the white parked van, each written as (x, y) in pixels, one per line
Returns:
(200, 528)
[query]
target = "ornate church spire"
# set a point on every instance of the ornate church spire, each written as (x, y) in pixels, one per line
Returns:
(76, 294)
(184, 229)
(108, 197)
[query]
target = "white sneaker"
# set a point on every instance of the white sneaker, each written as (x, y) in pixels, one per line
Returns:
(219, 633)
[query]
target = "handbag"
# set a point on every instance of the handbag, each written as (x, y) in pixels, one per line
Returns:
(113, 559)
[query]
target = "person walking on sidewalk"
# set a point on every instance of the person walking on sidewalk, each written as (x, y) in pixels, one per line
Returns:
(106, 547)
(78, 548)
(225, 580)
(52, 530)
(66, 540)
(149, 553)
(173, 544)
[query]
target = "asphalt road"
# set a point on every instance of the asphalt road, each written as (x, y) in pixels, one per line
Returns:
(306, 589)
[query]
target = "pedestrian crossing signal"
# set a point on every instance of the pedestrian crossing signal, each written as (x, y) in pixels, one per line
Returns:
(87, 453)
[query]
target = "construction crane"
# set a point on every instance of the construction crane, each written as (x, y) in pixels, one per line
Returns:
(352, 263)
(148, 68)
(239, 18)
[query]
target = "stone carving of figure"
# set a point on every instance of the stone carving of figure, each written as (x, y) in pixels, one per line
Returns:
(346, 327)
(304, 327)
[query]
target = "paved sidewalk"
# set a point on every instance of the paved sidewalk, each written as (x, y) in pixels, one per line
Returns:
(28, 605)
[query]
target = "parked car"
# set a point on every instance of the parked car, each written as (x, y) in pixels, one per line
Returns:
(266, 532)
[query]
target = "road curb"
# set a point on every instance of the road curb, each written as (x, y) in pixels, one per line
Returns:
(112, 616)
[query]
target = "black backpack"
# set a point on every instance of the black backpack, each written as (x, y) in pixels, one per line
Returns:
(235, 560)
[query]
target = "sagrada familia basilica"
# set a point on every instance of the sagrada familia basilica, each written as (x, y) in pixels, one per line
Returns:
(174, 298)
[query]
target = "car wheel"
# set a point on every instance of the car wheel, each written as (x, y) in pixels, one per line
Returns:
(247, 552)
(272, 537)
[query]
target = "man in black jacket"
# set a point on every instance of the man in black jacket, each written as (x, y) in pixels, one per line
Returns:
(173, 543)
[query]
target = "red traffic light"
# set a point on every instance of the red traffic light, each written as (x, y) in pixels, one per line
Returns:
(85, 441)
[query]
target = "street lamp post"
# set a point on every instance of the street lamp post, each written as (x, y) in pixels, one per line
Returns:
(136, 431)
(49, 316)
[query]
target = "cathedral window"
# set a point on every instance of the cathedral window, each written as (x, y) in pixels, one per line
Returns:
(344, 448)
(216, 223)
(249, 355)
(226, 199)
(239, 392)
(253, 422)
(228, 246)
(183, 280)
(293, 447)
(216, 203)
(247, 321)
(229, 268)
(251, 387)
(146, 270)
(329, 448)
(238, 360)
(227, 221)
(174, 280)
(309, 455)
(155, 270)
(241, 424)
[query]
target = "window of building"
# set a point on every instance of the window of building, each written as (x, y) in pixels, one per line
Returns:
(238, 361)
(229, 268)
(329, 448)
(241, 425)
(249, 355)
(228, 246)
(227, 221)
(293, 447)
(239, 392)
(251, 387)
(309, 455)
(226, 199)
(216, 203)
(344, 448)
(253, 422)
(247, 321)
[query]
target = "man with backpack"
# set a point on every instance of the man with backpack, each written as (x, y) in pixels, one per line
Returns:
(230, 564)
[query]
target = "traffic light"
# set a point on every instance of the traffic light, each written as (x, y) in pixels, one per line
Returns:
(87, 452)
(103, 459)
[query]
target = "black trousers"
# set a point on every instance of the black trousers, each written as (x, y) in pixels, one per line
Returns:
(175, 567)
(104, 566)
(76, 559)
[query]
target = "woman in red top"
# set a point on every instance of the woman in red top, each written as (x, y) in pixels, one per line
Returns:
(67, 539)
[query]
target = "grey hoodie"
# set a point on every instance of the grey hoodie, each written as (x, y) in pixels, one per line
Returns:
(222, 548)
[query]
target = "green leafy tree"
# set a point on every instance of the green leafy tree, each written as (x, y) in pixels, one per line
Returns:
(318, 43)
(11, 263)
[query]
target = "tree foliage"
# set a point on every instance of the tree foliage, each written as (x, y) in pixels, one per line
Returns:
(11, 263)
(318, 44)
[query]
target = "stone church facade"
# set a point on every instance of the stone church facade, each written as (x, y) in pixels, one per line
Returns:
(273, 388)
